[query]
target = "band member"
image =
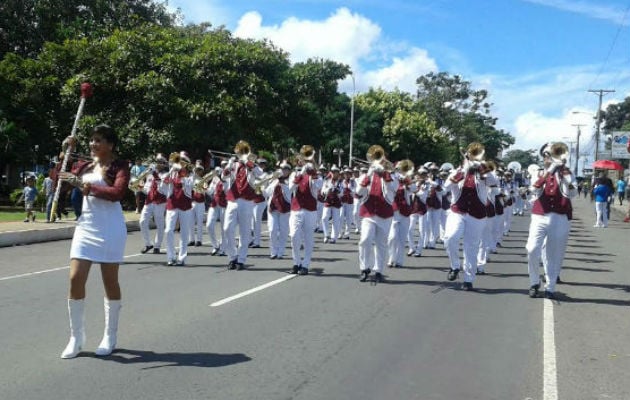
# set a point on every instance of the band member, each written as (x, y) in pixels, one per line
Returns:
(468, 213)
(434, 207)
(178, 186)
(519, 200)
(418, 219)
(331, 190)
(399, 229)
(377, 190)
(322, 171)
(357, 172)
(240, 175)
(488, 244)
(305, 186)
(216, 212)
(279, 207)
(348, 188)
(198, 210)
(260, 203)
(551, 215)
(508, 191)
(499, 201)
(99, 236)
(154, 206)
(445, 170)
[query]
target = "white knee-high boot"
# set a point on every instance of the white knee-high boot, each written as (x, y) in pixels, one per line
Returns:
(76, 315)
(112, 311)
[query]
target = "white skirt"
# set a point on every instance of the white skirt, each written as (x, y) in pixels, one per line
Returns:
(101, 232)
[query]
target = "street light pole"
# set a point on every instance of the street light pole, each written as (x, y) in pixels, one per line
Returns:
(351, 121)
(601, 93)
(577, 148)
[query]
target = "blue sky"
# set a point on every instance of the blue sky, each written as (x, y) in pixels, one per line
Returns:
(537, 58)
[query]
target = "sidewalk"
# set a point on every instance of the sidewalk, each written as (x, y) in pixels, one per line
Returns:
(20, 233)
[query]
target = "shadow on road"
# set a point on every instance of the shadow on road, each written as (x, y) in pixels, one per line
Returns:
(205, 360)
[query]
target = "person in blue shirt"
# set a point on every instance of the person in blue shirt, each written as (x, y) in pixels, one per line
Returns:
(602, 193)
(621, 190)
(30, 194)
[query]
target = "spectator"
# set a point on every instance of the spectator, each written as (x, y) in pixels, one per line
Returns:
(621, 190)
(136, 170)
(29, 194)
(49, 191)
(602, 193)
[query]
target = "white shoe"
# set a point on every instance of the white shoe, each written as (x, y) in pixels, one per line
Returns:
(77, 328)
(112, 312)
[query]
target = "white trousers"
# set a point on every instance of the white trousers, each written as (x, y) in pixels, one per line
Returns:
(259, 209)
(433, 227)
(443, 223)
(278, 224)
(239, 213)
(196, 227)
(601, 214)
(355, 214)
(334, 214)
(498, 228)
(471, 229)
(416, 221)
(507, 219)
(157, 211)
(347, 218)
(184, 218)
(320, 211)
(486, 244)
(554, 228)
(398, 233)
(373, 243)
(302, 232)
(518, 206)
(214, 214)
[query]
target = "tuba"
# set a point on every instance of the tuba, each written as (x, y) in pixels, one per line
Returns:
(261, 184)
(243, 151)
(406, 168)
(376, 156)
(533, 171)
(306, 156)
(199, 184)
(558, 152)
(136, 184)
(474, 152)
(515, 166)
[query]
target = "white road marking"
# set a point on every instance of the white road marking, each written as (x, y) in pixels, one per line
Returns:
(550, 376)
(250, 291)
(6, 278)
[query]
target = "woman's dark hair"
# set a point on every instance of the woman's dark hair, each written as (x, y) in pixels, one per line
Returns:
(107, 133)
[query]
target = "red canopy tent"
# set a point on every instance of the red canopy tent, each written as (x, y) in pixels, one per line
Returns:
(607, 164)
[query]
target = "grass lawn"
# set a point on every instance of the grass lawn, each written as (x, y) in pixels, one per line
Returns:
(13, 216)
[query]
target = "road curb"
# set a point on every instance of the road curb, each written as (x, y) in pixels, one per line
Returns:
(19, 238)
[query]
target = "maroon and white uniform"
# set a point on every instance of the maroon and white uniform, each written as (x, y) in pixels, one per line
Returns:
(240, 177)
(305, 187)
(278, 212)
(434, 214)
(197, 213)
(466, 220)
(551, 215)
(377, 196)
(331, 196)
(260, 203)
(348, 187)
(216, 212)
(399, 230)
(154, 207)
(418, 219)
(178, 208)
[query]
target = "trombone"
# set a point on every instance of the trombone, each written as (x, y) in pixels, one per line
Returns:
(201, 182)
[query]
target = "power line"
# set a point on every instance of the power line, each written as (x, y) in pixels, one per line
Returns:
(612, 46)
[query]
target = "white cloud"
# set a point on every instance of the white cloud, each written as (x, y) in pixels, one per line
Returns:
(344, 37)
(591, 10)
(402, 72)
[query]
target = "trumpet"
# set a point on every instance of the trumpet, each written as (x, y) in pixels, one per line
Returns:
(376, 157)
(558, 152)
(262, 183)
(201, 182)
(474, 152)
(136, 184)
(406, 168)
(361, 161)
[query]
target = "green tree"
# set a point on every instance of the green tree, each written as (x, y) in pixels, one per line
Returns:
(523, 157)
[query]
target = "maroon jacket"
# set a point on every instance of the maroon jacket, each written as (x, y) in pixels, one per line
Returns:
(117, 177)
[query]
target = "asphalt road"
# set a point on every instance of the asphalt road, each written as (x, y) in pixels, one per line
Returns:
(326, 335)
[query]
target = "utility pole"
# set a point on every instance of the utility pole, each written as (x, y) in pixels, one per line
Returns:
(601, 93)
(577, 148)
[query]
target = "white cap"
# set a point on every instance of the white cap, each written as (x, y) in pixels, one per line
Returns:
(334, 168)
(183, 155)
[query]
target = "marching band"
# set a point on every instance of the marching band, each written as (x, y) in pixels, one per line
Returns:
(395, 208)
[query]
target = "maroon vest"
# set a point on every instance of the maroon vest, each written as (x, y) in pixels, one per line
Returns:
(198, 197)
(332, 199)
(346, 196)
(418, 206)
(490, 209)
(303, 199)
(432, 199)
(376, 204)
(278, 202)
(498, 205)
(469, 201)
(241, 189)
(400, 203)
(178, 199)
(219, 199)
(551, 200)
(154, 196)
(446, 201)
